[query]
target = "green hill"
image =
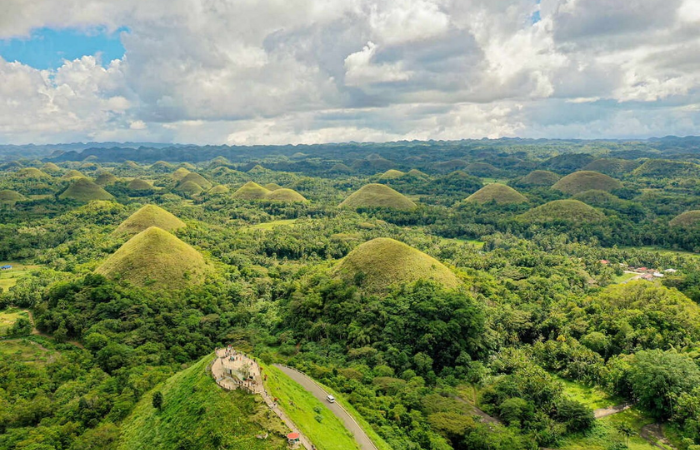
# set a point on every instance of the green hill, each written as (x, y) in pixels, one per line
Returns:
(72, 174)
(179, 174)
(130, 165)
(377, 196)
(251, 191)
(162, 167)
(612, 166)
(218, 190)
(155, 259)
(188, 166)
(391, 175)
(482, 169)
(50, 168)
(106, 179)
(84, 190)
(138, 184)
(496, 192)
(381, 262)
(31, 173)
(149, 216)
(572, 211)
(450, 166)
(415, 173)
(662, 168)
(197, 414)
(285, 195)
(272, 186)
(258, 169)
(341, 168)
(89, 166)
(189, 188)
(586, 180)
(569, 162)
(599, 199)
(10, 197)
(688, 219)
(198, 179)
(539, 178)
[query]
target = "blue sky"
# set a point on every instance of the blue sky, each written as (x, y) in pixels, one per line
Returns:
(47, 48)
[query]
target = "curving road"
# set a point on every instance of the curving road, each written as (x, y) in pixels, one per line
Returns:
(310, 385)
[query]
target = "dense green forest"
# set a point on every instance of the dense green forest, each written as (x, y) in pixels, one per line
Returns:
(458, 295)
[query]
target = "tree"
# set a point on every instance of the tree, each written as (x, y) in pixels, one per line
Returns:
(21, 327)
(157, 400)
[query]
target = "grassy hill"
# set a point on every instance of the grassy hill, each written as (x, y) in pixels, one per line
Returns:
(415, 173)
(572, 211)
(612, 166)
(31, 173)
(196, 413)
(662, 168)
(687, 219)
(106, 179)
(179, 174)
(189, 188)
(341, 168)
(539, 178)
(197, 179)
(381, 262)
(149, 216)
(285, 195)
(72, 174)
(10, 197)
(377, 196)
(391, 175)
(138, 184)
(586, 180)
(50, 168)
(218, 190)
(156, 259)
(599, 199)
(272, 186)
(496, 192)
(84, 190)
(251, 191)
(162, 166)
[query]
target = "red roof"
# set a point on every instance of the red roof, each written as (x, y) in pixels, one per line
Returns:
(293, 436)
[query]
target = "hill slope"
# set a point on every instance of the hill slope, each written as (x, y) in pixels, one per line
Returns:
(106, 179)
(377, 196)
(84, 190)
(196, 413)
(381, 262)
(496, 192)
(251, 191)
(687, 219)
(586, 180)
(149, 216)
(285, 195)
(155, 259)
(539, 178)
(572, 211)
(7, 196)
(138, 184)
(197, 179)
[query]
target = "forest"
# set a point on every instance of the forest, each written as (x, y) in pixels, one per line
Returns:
(490, 294)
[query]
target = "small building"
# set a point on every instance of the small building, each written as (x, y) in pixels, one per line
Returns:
(604, 262)
(670, 271)
(658, 274)
(293, 438)
(6, 267)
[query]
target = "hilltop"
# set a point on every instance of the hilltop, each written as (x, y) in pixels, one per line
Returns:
(149, 216)
(155, 259)
(50, 168)
(251, 191)
(572, 211)
(687, 219)
(197, 179)
(106, 179)
(189, 188)
(539, 178)
(662, 168)
(84, 190)
(381, 262)
(586, 180)
(391, 175)
(496, 192)
(31, 173)
(179, 174)
(218, 190)
(11, 197)
(285, 195)
(377, 196)
(612, 166)
(196, 413)
(72, 174)
(138, 184)
(599, 199)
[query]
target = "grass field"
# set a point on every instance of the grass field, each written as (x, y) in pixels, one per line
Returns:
(624, 277)
(301, 406)
(591, 396)
(25, 350)
(8, 278)
(273, 224)
(9, 316)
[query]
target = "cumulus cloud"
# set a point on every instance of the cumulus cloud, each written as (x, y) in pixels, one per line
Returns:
(274, 71)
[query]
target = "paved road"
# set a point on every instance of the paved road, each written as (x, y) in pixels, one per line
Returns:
(310, 385)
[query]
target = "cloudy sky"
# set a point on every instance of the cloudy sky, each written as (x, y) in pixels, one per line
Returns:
(309, 71)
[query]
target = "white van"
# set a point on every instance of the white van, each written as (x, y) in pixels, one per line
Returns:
(330, 399)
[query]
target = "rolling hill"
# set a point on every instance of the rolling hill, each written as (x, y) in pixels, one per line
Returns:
(688, 219)
(572, 211)
(179, 174)
(586, 180)
(285, 195)
(496, 192)
(377, 196)
(138, 184)
(10, 197)
(149, 216)
(251, 191)
(84, 190)
(539, 178)
(106, 179)
(197, 179)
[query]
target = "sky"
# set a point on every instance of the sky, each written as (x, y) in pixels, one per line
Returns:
(244, 72)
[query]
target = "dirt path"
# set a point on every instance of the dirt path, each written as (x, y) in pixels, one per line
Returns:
(605, 412)
(485, 418)
(310, 385)
(654, 434)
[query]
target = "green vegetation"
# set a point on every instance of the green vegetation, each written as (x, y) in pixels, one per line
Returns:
(189, 188)
(179, 174)
(498, 193)
(84, 190)
(382, 262)
(687, 219)
(8, 278)
(72, 174)
(149, 216)
(539, 178)
(251, 191)
(31, 173)
(106, 179)
(377, 196)
(138, 184)
(285, 195)
(10, 197)
(155, 259)
(50, 168)
(274, 224)
(197, 179)
(572, 211)
(302, 407)
(218, 190)
(661, 168)
(612, 166)
(196, 413)
(391, 174)
(586, 180)
(9, 317)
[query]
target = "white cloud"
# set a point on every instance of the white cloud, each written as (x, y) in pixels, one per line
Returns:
(360, 69)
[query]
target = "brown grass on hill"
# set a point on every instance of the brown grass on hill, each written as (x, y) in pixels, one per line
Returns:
(149, 216)
(688, 219)
(572, 211)
(84, 190)
(377, 196)
(586, 180)
(251, 191)
(499, 193)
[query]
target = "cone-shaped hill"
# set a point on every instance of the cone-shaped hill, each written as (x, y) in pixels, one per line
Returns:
(155, 259)
(251, 191)
(149, 216)
(197, 179)
(599, 199)
(572, 211)
(10, 197)
(106, 179)
(72, 174)
(586, 180)
(138, 184)
(218, 190)
(688, 219)
(84, 190)
(179, 174)
(499, 193)
(341, 168)
(415, 173)
(539, 178)
(391, 174)
(272, 186)
(162, 166)
(189, 188)
(285, 195)
(50, 168)
(31, 173)
(381, 262)
(377, 196)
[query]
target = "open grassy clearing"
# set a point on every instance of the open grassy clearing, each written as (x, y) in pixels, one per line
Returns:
(624, 277)
(9, 316)
(591, 396)
(303, 408)
(273, 224)
(9, 278)
(26, 350)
